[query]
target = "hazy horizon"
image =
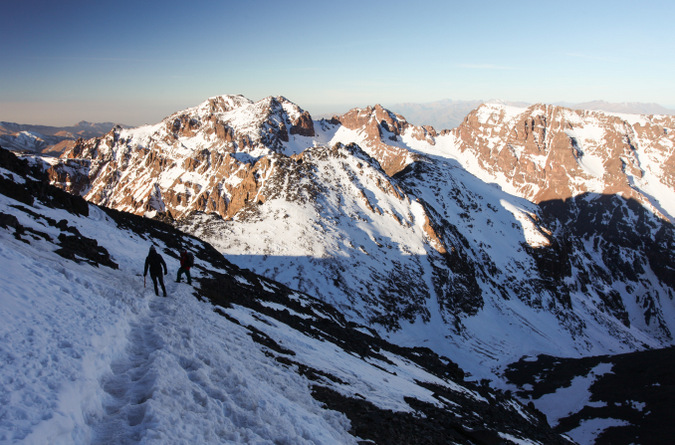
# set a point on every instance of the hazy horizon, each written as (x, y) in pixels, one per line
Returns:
(404, 108)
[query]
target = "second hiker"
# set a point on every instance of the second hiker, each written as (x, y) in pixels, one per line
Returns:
(187, 260)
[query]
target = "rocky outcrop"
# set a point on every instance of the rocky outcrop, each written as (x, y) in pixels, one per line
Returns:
(380, 128)
(162, 169)
(303, 125)
(547, 152)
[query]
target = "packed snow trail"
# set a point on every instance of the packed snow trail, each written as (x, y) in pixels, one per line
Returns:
(181, 368)
(131, 384)
(87, 355)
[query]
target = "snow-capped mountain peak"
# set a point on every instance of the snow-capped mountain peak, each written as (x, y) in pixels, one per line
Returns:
(424, 235)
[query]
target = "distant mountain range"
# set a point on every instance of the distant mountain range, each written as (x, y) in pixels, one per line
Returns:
(47, 139)
(441, 114)
(448, 113)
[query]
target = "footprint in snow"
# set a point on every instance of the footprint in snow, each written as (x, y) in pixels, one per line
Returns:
(129, 386)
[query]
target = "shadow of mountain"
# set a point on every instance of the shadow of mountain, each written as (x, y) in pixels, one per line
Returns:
(448, 408)
(615, 248)
(614, 223)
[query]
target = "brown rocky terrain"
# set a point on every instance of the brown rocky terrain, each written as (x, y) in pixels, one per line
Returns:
(549, 152)
(122, 172)
(224, 149)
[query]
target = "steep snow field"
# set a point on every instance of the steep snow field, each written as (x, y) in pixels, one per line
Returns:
(357, 238)
(88, 355)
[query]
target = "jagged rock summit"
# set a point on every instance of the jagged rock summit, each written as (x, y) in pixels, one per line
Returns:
(208, 158)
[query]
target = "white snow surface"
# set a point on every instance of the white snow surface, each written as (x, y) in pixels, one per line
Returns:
(88, 355)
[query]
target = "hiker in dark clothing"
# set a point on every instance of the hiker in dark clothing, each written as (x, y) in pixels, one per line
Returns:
(156, 263)
(186, 262)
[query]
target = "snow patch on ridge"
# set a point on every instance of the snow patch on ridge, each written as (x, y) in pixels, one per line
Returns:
(533, 234)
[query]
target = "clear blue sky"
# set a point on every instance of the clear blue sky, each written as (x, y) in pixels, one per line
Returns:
(136, 62)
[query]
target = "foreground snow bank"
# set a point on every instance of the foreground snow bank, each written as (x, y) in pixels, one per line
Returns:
(87, 355)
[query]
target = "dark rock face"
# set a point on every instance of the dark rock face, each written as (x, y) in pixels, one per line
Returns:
(626, 239)
(34, 186)
(74, 247)
(637, 389)
(303, 126)
(456, 283)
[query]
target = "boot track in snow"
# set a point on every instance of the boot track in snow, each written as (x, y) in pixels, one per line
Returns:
(131, 384)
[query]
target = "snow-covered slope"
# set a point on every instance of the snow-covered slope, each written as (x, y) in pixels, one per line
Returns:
(91, 355)
(523, 231)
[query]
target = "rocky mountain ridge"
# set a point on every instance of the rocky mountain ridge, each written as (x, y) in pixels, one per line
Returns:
(550, 152)
(449, 113)
(425, 235)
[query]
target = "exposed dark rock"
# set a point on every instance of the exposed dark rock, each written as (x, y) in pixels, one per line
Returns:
(76, 248)
(7, 221)
(430, 424)
(624, 234)
(303, 126)
(639, 390)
